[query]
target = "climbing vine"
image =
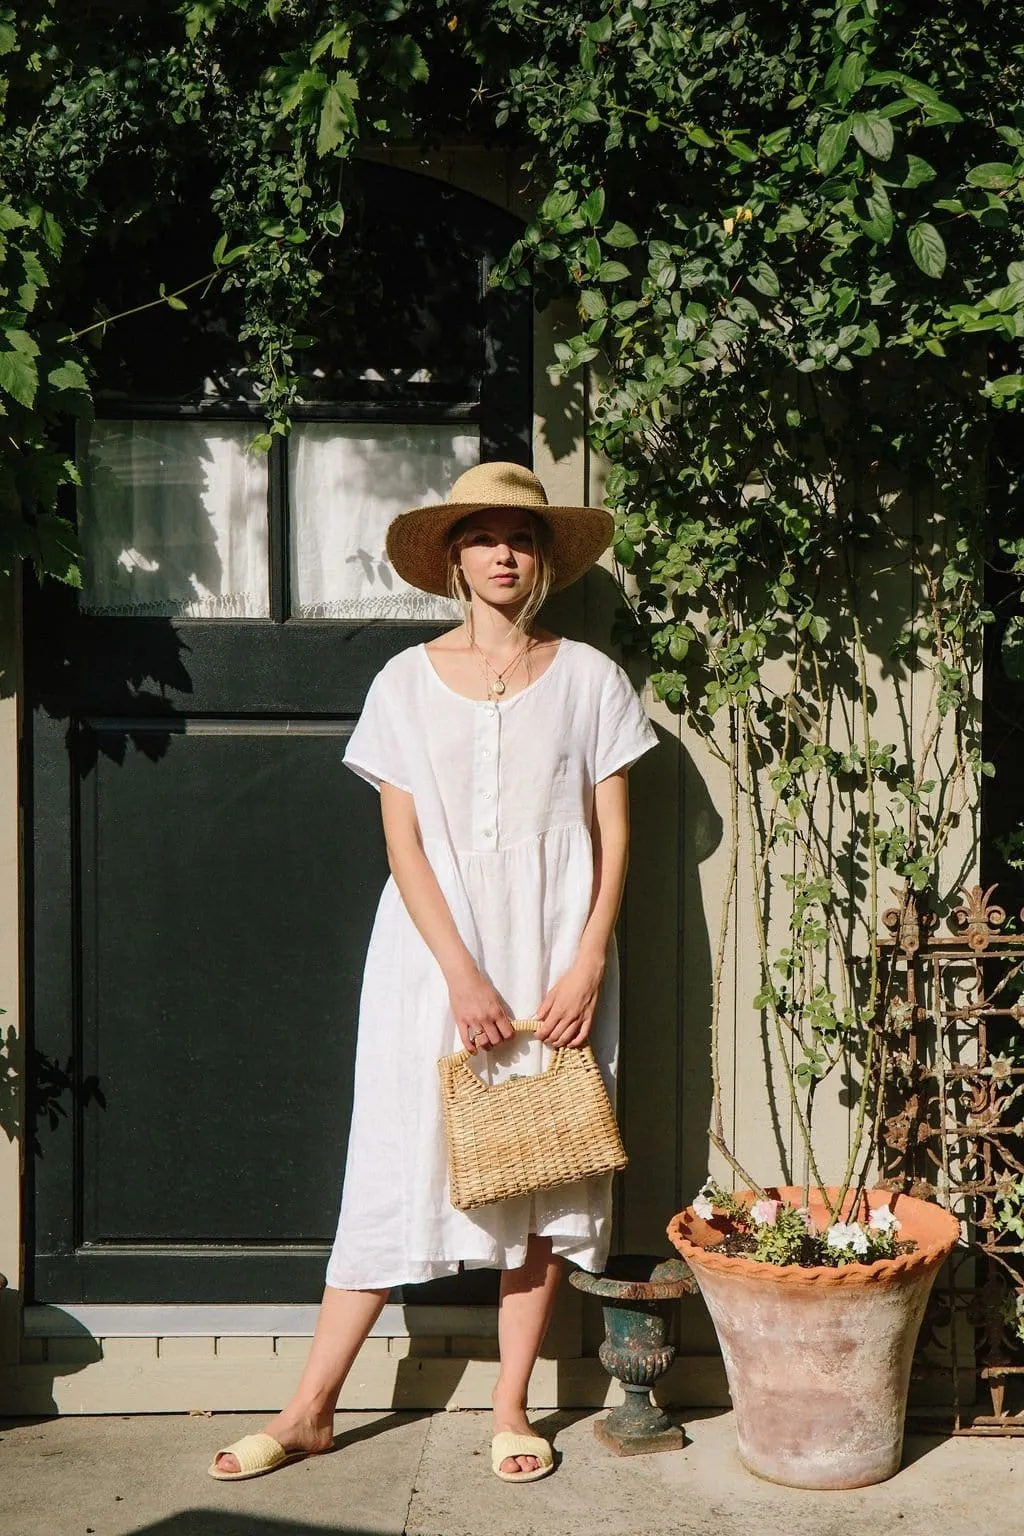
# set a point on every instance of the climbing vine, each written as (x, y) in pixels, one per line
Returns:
(793, 237)
(794, 240)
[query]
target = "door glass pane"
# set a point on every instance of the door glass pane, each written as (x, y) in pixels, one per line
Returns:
(173, 520)
(347, 483)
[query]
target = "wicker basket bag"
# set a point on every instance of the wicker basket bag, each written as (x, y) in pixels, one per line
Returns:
(529, 1132)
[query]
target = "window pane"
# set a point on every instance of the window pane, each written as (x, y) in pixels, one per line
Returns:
(173, 519)
(347, 483)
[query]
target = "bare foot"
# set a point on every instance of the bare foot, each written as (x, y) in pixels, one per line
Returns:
(515, 1420)
(294, 1433)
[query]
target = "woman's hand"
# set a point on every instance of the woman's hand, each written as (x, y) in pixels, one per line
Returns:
(567, 1013)
(480, 1015)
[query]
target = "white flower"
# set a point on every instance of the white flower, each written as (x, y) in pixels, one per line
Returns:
(848, 1237)
(883, 1220)
(702, 1207)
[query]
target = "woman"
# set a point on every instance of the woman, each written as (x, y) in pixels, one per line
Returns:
(500, 753)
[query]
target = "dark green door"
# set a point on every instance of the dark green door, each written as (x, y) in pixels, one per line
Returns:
(202, 869)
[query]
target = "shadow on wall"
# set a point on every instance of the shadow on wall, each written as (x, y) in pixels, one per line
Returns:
(665, 1077)
(27, 1391)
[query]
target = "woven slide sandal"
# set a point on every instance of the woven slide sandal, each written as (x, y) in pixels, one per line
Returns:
(508, 1443)
(256, 1455)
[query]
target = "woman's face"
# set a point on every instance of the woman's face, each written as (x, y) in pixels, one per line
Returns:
(497, 556)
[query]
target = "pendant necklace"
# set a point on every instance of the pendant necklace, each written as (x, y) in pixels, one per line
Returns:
(496, 688)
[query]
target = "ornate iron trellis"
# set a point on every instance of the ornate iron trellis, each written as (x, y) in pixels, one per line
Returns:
(954, 1069)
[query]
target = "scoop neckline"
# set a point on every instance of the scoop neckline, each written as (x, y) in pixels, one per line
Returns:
(498, 703)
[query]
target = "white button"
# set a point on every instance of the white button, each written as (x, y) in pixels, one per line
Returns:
(485, 754)
(488, 795)
(492, 709)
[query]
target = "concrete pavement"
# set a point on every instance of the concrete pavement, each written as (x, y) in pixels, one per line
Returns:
(429, 1475)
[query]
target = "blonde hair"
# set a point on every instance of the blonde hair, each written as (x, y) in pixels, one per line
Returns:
(544, 574)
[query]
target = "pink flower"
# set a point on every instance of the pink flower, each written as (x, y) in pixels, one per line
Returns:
(764, 1212)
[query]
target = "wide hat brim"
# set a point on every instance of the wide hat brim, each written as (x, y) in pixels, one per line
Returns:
(417, 541)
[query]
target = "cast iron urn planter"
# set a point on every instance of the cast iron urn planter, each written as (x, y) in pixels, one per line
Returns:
(638, 1293)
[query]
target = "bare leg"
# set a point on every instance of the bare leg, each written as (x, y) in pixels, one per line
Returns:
(307, 1424)
(527, 1300)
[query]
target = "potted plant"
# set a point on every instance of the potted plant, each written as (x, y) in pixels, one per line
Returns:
(817, 1318)
(804, 294)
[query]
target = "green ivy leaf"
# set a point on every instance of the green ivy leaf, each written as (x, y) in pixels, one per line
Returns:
(918, 172)
(698, 136)
(612, 272)
(593, 206)
(877, 222)
(337, 117)
(927, 248)
(832, 145)
(873, 133)
(763, 278)
(942, 113)
(918, 91)
(338, 40)
(69, 375)
(556, 205)
(994, 175)
(620, 236)
(791, 221)
(851, 75)
(585, 111)
(19, 378)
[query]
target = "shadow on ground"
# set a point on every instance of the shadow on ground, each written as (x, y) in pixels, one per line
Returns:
(214, 1522)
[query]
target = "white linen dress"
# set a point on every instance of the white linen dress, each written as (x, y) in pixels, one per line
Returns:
(503, 792)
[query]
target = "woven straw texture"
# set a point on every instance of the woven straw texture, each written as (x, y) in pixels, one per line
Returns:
(417, 541)
(526, 1133)
(935, 1231)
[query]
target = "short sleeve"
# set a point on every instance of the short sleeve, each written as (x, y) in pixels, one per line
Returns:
(377, 747)
(624, 732)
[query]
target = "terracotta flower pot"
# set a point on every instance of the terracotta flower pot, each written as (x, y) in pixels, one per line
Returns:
(818, 1360)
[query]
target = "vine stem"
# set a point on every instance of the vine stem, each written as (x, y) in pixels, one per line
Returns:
(762, 939)
(736, 1166)
(139, 309)
(872, 1005)
(717, 1134)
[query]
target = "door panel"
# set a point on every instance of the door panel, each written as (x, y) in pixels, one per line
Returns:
(219, 972)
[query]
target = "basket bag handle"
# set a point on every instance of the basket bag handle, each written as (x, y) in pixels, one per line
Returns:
(521, 1027)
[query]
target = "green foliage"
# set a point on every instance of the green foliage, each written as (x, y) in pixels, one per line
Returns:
(1009, 1209)
(802, 291)
(776, 1232)
(113, 118)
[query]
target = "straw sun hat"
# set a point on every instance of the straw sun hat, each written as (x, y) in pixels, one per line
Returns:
(417, 541)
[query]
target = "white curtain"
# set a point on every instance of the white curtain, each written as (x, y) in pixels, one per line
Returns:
(347, 483)
(173, 519)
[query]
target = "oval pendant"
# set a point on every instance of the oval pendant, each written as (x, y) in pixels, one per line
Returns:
(498, 687)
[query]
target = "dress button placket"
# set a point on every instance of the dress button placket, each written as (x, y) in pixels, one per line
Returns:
(485, 799)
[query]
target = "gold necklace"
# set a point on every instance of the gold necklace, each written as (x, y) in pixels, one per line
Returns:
(496, 688)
